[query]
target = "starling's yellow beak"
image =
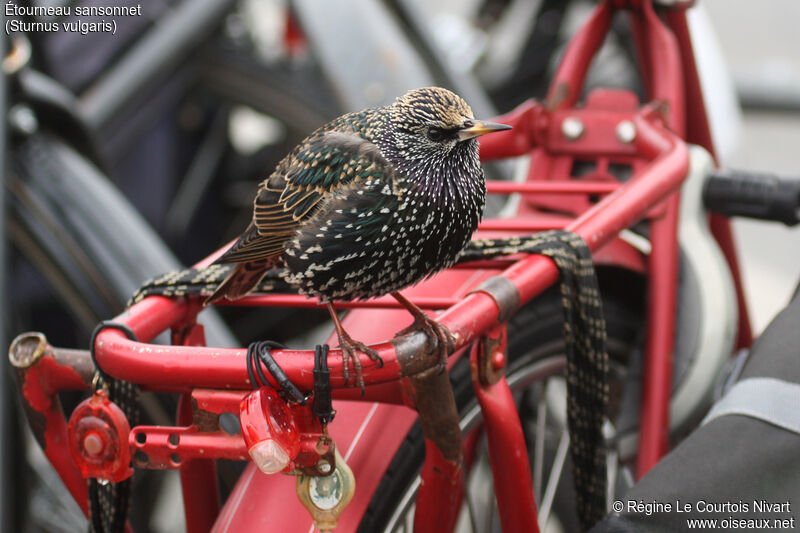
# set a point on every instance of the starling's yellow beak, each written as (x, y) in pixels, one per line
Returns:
(478, 127)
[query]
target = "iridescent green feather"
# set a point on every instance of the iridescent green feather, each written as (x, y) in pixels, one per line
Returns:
(327, 161)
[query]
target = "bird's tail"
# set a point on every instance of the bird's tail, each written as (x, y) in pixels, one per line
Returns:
(242, 279)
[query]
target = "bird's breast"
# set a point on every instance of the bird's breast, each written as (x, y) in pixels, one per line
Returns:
(382, 235)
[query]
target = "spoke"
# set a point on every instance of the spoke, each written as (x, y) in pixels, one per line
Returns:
(553, 478)
(473, 522)
(408, 523)
(538, 447)
(492, 504)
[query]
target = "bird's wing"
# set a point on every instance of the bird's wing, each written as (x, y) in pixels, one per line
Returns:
(300, 185)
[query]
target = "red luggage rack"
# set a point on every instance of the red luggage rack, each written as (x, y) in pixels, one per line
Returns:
(210, 375)
(215, 380)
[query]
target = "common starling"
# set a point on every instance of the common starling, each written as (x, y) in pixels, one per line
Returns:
(370, 203)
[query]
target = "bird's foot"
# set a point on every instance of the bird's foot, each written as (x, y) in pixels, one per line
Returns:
(445, 341)
(350, 349)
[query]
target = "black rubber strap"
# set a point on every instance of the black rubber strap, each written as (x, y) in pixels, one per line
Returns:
(323, 406)
(108, 324)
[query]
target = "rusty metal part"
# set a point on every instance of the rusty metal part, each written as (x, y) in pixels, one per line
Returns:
(413, 353)
(41, 372)
(205, 421)
(209, 404)
(442, 484)
(504, 293)
(325, 448)
(436, 405)
(27, 348)
(490, 364)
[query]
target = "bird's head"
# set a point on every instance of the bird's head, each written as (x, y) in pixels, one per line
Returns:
(434, 123)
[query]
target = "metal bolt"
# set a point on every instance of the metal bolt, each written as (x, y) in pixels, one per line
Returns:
(498, 360)
(324, 467)
(626, 131)
(23, 119)
(572, 128)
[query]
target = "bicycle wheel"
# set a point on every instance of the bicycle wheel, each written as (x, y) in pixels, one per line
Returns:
(536, 364)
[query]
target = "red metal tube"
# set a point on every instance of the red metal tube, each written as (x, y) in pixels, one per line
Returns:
(41, 372)
(442, 482)
(619, 209)
(524, 225)
(665, 84)
(225, 368)
(298, 300)
(519, 140)
(566, 187)
(182, 366)
(660, 340)
(508, 454)
(440, 493)
(666, 81)
(698, 131)
(568, 80)
(198, 481)
(721, 229)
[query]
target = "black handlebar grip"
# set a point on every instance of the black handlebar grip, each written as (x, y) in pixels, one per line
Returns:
(753, 195)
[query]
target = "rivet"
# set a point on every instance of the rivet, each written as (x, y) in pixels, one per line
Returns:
(626, 131)
(324, 467)
(572, 128)
(498, 360)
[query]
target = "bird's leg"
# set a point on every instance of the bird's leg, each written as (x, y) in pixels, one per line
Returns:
(349, 348)
(445, 342)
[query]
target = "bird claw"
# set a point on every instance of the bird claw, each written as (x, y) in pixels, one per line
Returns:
(350, 349)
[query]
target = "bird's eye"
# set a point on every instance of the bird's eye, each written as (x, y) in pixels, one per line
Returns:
(467, 124)
(436, 134)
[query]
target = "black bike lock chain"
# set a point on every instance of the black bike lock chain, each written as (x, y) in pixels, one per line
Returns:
(109, 503)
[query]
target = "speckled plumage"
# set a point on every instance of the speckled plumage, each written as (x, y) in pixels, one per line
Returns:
(372, 202)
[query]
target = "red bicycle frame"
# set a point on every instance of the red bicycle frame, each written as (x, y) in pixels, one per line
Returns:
(477, 299)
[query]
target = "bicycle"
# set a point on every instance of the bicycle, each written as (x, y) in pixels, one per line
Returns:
(621, 139)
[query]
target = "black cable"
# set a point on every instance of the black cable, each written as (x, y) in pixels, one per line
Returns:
(251, 362)
(260, 352)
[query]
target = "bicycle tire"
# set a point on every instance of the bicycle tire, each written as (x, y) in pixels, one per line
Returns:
(537, 326)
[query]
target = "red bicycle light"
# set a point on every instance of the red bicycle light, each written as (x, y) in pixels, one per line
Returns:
(269, 430)
(98, 439)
